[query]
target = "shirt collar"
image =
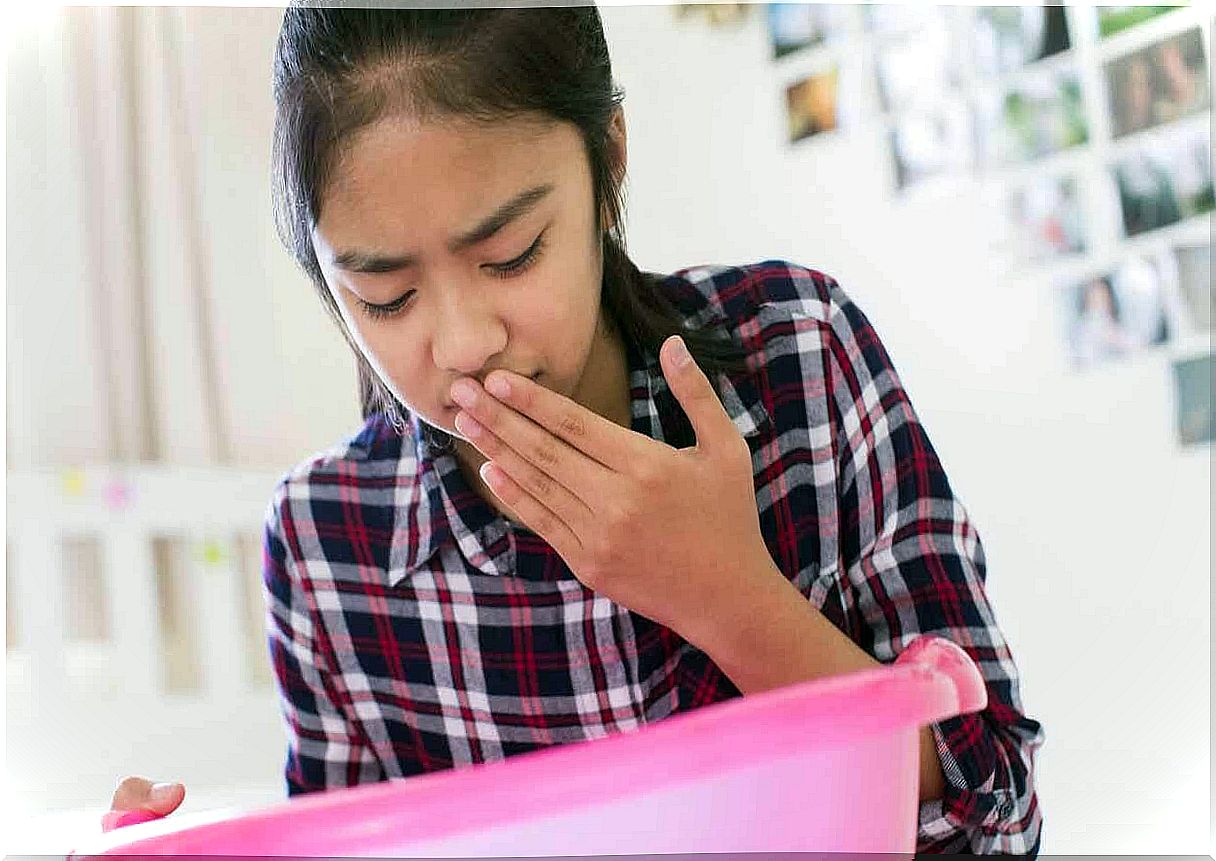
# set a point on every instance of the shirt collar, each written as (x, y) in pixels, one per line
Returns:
(421, 523)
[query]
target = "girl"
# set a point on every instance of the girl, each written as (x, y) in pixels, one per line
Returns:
(585, 497)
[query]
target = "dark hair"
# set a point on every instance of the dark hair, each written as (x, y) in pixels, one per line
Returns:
(337, 70)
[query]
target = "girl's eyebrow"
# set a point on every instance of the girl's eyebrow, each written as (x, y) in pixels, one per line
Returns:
(370, 261)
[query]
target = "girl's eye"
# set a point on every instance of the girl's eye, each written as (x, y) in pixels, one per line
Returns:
(501, 270)
(521, 263)
(377, 312)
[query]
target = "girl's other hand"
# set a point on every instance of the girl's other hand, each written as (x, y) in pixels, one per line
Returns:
(137, 799)
(672, 534)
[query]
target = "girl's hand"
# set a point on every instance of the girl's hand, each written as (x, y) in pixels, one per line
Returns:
(671, 534)
(137, 799)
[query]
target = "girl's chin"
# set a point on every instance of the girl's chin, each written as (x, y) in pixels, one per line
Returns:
(448, 425)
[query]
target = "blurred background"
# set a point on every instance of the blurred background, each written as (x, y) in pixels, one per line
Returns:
(1018, 197)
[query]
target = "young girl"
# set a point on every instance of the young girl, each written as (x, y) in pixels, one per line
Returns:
(584, 497)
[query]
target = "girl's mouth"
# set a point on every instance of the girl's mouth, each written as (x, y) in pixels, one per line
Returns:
(452, 408)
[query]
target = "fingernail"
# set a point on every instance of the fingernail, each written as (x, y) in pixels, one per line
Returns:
(680, 353)
(162, 791)
(467, 425)
(498, 386)
(464, 393)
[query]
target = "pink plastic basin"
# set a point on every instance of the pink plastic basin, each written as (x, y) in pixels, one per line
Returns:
(824, 766)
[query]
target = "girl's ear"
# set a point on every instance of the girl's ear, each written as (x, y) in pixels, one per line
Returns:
(617, 154)
(617, 137)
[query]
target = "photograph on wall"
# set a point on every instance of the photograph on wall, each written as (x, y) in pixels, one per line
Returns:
(811, 105)
(1165, 180)
(1193, 382)
(1195, 284)
(714, 14)
(932, 142)
(917, 69)
(1040, 115)
(1006, 38)
(894, 19)
(1113, 19)
(1157, 84)
(796, 26)
(1047, 219)
(1113, 314)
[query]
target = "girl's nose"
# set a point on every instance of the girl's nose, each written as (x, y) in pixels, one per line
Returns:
(468, 334)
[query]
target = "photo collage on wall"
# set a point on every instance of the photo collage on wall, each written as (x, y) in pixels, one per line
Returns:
(919, 71)
(1093, 125)
(1157, 84)
(1165, 175)
(1193, 383)
(811, 101)
(1148, 299)
(1165, 180)
(1114, 313)
(1157, 96)
(1195, 376)
(1047, 219)
(714, 14)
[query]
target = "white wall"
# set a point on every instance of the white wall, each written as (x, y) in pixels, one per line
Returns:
(1097, 525)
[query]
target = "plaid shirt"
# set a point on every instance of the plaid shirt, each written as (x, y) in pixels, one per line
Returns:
(413, 628)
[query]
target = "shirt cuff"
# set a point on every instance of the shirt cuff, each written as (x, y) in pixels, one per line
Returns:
(937, 824)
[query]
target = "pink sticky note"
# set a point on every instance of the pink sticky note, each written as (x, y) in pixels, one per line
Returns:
(117, 494)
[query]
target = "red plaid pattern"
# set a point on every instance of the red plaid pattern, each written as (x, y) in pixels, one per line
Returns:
(413, 628)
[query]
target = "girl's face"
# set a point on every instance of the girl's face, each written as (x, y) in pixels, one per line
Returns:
(455, 249)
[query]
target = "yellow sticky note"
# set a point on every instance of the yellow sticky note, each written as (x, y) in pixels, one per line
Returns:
(72, 481)
(212, 553)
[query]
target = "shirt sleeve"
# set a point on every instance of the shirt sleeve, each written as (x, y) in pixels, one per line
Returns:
(325, 748)
(912, 563)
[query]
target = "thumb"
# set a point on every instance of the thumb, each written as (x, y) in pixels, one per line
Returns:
(164, 798)
(696, 394)
(138, 793)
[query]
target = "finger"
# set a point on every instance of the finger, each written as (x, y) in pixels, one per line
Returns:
(138, 793)
(540, 485)
(535, 515)
(604, 441)
(582, 475)
(710, 421)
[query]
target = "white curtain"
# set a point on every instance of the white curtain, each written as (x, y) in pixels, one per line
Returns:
(152, 316)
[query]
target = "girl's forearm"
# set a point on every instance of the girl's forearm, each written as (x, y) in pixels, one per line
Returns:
(773, 637)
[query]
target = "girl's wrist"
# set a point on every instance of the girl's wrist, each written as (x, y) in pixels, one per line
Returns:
(772, 636)
(728, 629)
